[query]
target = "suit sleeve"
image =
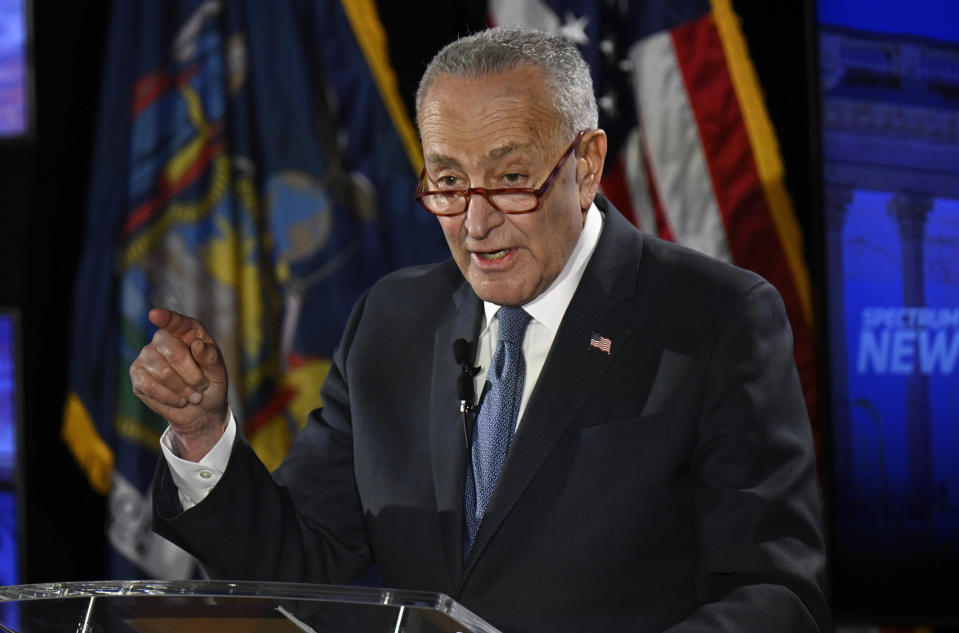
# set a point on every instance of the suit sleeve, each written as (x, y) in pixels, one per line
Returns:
(760, 547)
(303, 524)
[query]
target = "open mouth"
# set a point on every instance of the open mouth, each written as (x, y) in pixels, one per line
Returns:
(494, 255)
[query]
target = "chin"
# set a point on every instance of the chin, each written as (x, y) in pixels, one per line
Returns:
(500, 296)
(507, 288)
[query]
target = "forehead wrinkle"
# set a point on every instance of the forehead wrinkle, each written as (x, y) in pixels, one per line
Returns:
(494, 155)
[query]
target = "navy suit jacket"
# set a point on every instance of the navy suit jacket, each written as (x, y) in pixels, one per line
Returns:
(667, 485)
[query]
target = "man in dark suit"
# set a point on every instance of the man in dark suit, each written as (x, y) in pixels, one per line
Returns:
(641, 459)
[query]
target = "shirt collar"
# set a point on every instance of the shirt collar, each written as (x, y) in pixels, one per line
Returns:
(549, 307)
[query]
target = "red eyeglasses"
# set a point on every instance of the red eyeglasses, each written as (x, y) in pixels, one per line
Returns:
(513, 200)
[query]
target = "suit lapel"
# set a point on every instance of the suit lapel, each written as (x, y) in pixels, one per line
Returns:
(447, 436)
(572, 369)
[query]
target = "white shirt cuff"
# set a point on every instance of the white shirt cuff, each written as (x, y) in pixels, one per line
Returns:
(195, 480)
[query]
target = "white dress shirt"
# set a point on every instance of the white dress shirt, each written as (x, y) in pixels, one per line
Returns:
(547, 311)
(194, 480)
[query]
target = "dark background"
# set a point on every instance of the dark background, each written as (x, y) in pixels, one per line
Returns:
(43, 188)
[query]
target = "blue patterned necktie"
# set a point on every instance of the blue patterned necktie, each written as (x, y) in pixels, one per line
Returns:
(496, 419)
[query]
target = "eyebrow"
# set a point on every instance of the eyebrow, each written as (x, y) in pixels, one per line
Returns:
(499, 152)
(442, 159)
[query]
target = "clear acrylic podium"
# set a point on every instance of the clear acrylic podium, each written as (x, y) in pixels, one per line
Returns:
(144, 606)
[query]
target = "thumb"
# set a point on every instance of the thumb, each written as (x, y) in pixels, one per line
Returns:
(207, 356)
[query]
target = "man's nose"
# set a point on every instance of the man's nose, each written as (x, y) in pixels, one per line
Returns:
(481, 216)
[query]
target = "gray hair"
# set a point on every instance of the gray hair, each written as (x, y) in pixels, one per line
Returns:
(505, 48)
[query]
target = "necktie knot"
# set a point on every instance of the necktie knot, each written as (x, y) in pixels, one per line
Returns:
(512, 324)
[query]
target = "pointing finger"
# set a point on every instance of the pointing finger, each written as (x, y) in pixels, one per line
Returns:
(175, 323)
(180, 325)
(160, 317)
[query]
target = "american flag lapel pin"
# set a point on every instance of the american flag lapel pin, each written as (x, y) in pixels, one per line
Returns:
(600, 342)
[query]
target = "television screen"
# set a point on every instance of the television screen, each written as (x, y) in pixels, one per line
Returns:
(14, 89)
(889, 75)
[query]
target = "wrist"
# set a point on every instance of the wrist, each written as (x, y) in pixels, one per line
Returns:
(193, 444)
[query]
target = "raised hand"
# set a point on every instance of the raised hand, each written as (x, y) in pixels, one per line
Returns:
(181, 375)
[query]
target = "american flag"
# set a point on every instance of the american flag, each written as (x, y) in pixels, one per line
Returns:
(692, 155)
(600, 342)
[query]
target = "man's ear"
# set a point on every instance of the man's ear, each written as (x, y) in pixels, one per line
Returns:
(590, 158)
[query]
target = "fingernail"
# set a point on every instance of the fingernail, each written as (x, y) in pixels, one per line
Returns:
(181, 403)
(203, 387)
(196, 398)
